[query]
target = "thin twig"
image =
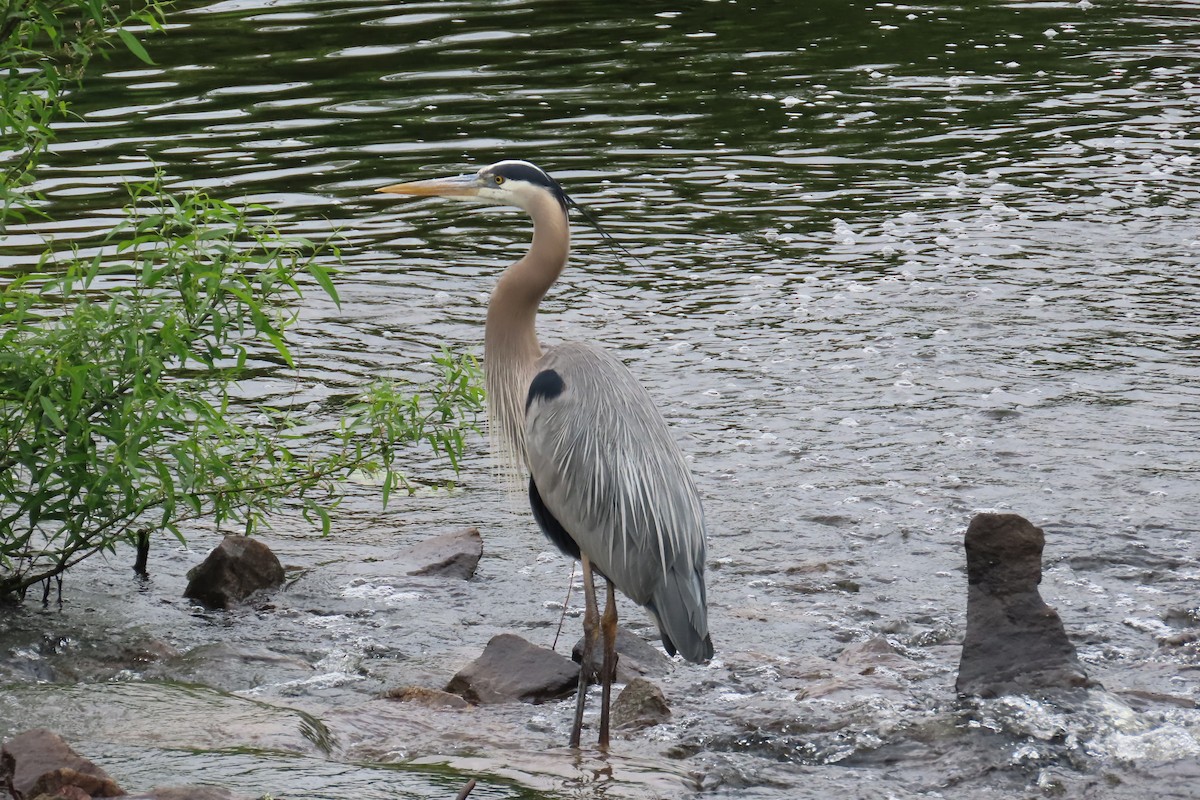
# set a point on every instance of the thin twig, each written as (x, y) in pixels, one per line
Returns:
(466, 790)
(566, 600)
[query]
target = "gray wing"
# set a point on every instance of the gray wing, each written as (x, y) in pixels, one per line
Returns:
(605, 465)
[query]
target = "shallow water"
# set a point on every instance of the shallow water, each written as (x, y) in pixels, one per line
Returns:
(895, 264)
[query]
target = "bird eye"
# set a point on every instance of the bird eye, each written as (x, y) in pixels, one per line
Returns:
(499, 179)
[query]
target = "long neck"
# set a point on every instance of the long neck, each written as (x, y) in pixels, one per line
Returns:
(510, 344)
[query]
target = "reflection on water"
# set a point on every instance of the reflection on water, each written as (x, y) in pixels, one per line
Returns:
(895, 264)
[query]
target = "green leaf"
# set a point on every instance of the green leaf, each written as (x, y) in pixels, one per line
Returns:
(51, 411)
(134, 45)
(322, 274)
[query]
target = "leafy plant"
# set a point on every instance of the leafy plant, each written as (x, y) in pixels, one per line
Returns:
(118, 390)
(120, 406)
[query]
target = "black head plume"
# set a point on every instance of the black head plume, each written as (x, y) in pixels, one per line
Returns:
(524, 171)
(617, 247)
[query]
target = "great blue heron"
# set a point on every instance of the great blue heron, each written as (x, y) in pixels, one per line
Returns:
(607, 484)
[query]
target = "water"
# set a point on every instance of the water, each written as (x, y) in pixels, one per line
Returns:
(895, 264)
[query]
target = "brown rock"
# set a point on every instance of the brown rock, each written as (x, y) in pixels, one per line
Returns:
(453, 555)
(65, 793)
(512, 669)
(235, 569)
(39, 762)
(1015, 642)
(640, 705)
(433, 698)
(866, 657)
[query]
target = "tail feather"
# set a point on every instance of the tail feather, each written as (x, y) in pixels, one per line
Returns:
(680, 609)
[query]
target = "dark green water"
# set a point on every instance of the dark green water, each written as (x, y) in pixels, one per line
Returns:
(896, 264)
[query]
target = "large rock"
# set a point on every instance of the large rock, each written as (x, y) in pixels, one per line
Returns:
(1015, 643)
(636, 658)
(640, 705)
(235, 569)
(39, 762)
(453, 555)
(511, 669)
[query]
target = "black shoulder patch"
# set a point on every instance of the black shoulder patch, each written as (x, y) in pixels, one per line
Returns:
(546, 385)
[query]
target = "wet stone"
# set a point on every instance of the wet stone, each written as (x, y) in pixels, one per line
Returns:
(430, 698)
(232, 667)
(875, 653)
(65, 793)
(636, 658)
(40, 762)
(640, 705)
(875, 667)
(1181, 639)
(451, 555)
(1015, 643)
(185, 793)
(235, 569)
(512, 669)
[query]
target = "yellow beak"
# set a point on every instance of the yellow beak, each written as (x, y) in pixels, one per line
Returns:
(460, 186)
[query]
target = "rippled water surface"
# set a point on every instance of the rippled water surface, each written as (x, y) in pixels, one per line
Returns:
(894, 264)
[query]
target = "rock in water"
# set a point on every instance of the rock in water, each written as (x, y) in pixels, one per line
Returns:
(454, 555)
(511, 668)
(1015, 643)
(636, 658)
(195, 792)
(431, 698)
(640, 705)
(39, 762)
(235, 569)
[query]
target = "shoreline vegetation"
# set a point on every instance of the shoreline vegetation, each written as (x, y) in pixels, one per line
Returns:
(121, 412)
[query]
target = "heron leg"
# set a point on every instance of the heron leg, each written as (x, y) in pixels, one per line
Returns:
(591, 620)
(608, 672)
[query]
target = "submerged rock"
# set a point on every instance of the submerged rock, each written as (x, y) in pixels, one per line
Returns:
(1015, 643)
(452, 555)
(636, 658)
(430, 698)
(231, 667)
(235, 569)
(190, 792)
(640, 705)
(512, 669)
(871, 655)
(40, 762)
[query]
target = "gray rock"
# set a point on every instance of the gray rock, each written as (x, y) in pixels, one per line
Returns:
(453, 555)
(640, 705)
(636, 658)
(512, 669)
(39, 762)
(1015, 643)
(235, 569)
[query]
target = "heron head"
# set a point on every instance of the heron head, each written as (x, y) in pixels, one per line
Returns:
(505, 183)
